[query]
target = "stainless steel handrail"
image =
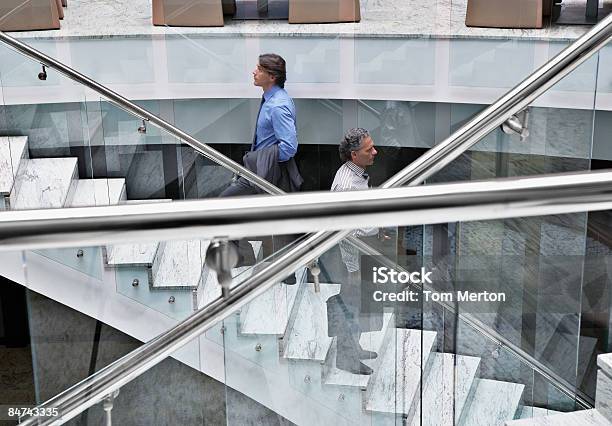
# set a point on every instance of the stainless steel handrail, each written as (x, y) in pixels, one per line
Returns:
(95, 387)
(140, 112)
(307, 212)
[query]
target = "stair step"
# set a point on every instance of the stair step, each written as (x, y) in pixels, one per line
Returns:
(180, 307)
(129, 255)
(179, 264)
(396, 384)
(492, 403)
(446, 389)
(307, 337)
(371, 341)
(528, 412)
(12, 150)
(584, 417)
(604, 361)
(269, 313)
(44, 183)
(98, 192)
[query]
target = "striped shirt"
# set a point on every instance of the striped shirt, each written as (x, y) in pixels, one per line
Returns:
(351, 177)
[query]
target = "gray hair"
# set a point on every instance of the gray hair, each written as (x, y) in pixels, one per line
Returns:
(352, 142)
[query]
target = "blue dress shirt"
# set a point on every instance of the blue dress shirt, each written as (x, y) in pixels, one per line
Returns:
(276, 124)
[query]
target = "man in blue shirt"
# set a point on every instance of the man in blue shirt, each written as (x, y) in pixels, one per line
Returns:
(274, 145)
(275, 126)
(276, 118)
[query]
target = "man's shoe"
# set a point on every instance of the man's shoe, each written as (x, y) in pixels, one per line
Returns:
(246, 257)
(365, 354)
(354, 367)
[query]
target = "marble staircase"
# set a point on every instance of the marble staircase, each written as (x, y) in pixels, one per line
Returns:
(601, 415)
(283, 332)
(412, 382)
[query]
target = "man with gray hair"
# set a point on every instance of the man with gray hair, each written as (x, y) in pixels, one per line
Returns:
(345, 319)
(357, 151)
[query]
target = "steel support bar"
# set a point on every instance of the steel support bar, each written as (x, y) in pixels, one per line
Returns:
(308, 212)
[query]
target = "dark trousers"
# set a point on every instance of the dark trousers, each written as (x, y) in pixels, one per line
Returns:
(270, 244)
(345, 317)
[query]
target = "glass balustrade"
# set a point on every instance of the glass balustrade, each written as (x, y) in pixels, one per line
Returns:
(541, 260)
(422, 359)
(281, 349)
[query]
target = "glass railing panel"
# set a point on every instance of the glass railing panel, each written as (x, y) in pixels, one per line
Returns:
(45, 106)
(281, 350)
(66, 340)
(156, 167)
(451, 357)
(218, 103)
(556, 133)
(595, 318)
(48, 144)
(78, 325)
(494, 371)
(228, 126)
(542, 273)
(527, 393)
(291, 332)
(171, 391)
(538, 261)
(222, 124)
(538, 264)
(266, 315)
(258, 360)
(145, 156)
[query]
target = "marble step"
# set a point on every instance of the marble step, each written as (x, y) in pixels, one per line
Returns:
(446, 389)
(396, 385)
(528, 412)
(584, 417)
(98, 192)
(12, 150)
(88, 192)
(492, 403)
(44, 183)
(306, 336)
(136, 254)
(371, 341)
(604, 361)
(178, 264)
(269, 313)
